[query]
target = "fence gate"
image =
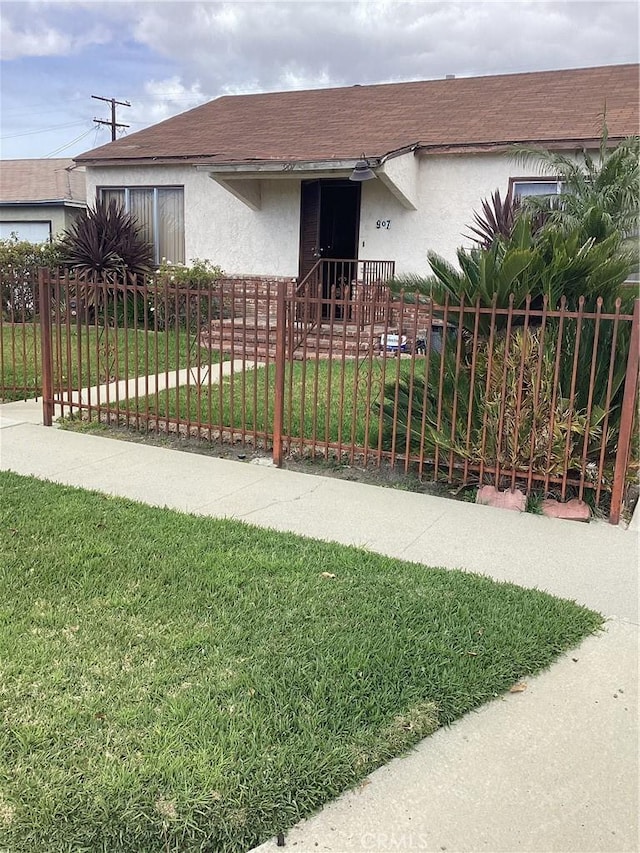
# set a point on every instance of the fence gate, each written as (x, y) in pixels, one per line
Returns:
(162, 356)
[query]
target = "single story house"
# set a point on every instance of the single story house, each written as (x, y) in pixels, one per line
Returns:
(259, 184)
(40, 198)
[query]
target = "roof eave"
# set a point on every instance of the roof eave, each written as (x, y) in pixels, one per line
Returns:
(215, 160)
(51, 202)
(424, 149)
(270, 168)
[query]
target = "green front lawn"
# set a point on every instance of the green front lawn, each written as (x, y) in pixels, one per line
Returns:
(176, 683)
(323, 400)
(103, 355)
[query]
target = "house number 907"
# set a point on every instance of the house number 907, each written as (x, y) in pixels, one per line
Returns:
(383, 223)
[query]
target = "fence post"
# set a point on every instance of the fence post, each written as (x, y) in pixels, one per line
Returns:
(278, 403)
(626, 417)
(44, 294)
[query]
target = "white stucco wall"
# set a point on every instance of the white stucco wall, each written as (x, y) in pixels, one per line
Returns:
(449, 189)
(219, 227)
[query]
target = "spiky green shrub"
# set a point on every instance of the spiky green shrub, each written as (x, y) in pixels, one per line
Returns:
(548, 263)
(544, 423)
(579, 257)
(525, 419)
(504, 408)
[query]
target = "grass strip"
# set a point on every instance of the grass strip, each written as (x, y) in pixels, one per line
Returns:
(147, 352)
(177, 683)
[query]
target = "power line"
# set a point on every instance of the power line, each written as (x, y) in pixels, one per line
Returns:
(69, 144)
(178, 95)
(43, 130)
(113, 124)
(35, 105)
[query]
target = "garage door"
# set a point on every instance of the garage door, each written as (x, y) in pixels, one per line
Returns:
(32, 232)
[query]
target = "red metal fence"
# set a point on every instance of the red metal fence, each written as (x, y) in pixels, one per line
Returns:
(160, 357)
(19, 336)
(356, 287)
(537, 396)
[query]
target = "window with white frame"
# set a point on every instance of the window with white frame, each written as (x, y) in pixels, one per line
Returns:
(534, 186)
(160, 213)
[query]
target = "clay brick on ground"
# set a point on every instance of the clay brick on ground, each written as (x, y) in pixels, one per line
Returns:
(491, 496)
(574, 510)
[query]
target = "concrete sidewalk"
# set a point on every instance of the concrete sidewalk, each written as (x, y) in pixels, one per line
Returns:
(552, 769)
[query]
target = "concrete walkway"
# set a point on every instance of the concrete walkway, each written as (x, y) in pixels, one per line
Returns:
(145, 386)
(554, 768)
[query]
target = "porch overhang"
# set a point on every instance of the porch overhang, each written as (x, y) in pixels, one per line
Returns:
(243, 180)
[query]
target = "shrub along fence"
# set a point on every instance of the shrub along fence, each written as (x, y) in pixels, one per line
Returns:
(538, 397)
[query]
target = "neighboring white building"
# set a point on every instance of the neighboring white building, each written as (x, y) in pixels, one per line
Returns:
(40, 198)
(259, 184)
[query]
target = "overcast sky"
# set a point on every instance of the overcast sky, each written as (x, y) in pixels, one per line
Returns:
(166, 57)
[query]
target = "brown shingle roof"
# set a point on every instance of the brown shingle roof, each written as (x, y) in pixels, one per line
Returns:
(41, 180)
(319, 124)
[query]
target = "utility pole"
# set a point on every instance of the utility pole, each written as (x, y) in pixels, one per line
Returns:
(113, 123)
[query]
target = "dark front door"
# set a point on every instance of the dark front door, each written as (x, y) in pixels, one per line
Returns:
(329, 221)
(329, 224)
(339, 219)
(309, 226)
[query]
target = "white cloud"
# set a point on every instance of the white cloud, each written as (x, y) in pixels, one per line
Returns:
(295, 76)
(21, 37)
(284, 44)
(164, 98)
(38, 41)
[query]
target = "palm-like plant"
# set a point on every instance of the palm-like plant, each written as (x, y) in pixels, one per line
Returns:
(484, 274)
(106, 242)
(548, 262)
(599, 195)
(496, 218)
(576, 254)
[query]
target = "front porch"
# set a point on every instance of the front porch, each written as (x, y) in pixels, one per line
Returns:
(339, 307)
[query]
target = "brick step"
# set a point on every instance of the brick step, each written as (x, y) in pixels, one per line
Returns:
(316, 352)
(311, 342)
(339, 330)
(262, 352)
(257, 339)
(320, 348)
